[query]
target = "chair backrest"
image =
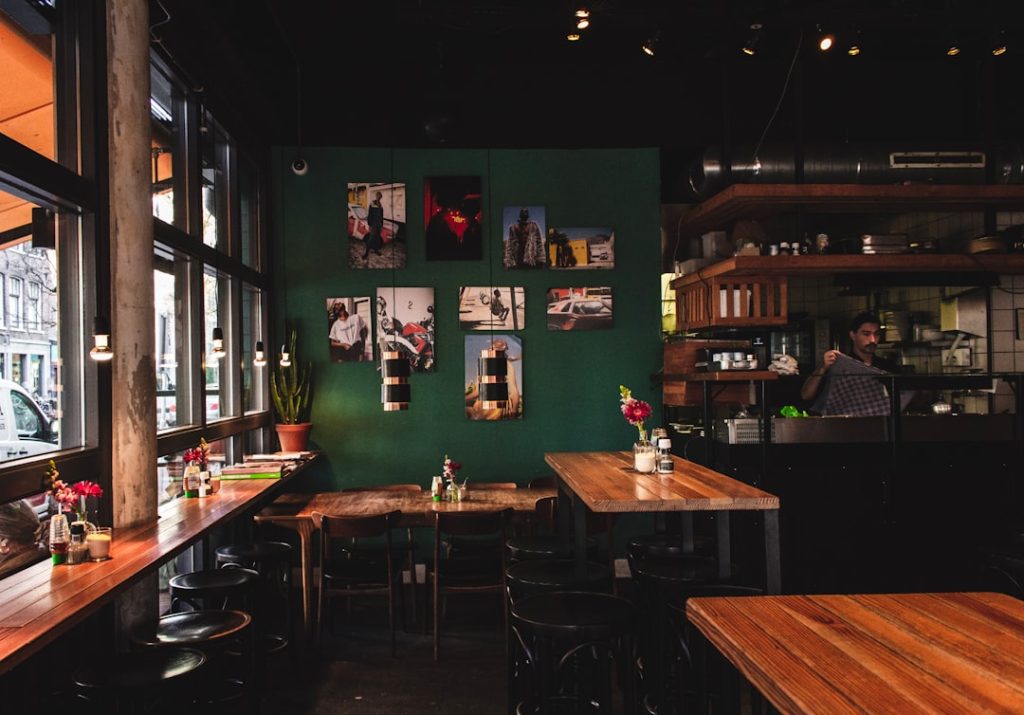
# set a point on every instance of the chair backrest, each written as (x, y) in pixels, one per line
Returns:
(472, 523)
(545, 514)
(547, 482)
(355, 527)
(493, 485)
(386, 488)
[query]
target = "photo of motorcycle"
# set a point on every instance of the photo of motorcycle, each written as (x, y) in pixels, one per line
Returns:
(412, 337)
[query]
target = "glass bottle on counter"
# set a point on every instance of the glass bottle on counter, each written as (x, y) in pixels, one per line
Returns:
(58, 538)
(665, 463)
(77, 550)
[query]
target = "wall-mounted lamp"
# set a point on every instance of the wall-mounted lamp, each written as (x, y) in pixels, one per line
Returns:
(395, 391)
(286, 357)
(101, 351)
(218, 343)
(492, 368)
(259, 358)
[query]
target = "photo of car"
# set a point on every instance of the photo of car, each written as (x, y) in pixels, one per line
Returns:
(592, 312)
(358, 227)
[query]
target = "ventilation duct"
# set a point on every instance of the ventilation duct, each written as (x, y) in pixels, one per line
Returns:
(854, 164)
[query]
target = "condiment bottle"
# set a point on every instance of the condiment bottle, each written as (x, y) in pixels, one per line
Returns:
(436, 488)
(77, 550)
(58, 538)
(665, 463)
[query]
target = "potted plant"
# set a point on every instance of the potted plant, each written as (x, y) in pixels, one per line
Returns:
(291, 389)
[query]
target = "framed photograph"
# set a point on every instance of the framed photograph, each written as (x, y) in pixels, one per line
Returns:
(492, 308)
(405, 322)
(581, 248)
(580, 308)
(525, 239)
(452, 215)
(514, 350)
(348, 329)
(376, 225)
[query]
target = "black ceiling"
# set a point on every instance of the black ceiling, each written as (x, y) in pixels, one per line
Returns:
(501, 73)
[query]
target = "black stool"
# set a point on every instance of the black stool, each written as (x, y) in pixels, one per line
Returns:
(137, 682)
(528, 578)
(567, 646)
(664, 547)
(218, 589)
(544, 546)
(219, 635)
(272, 560)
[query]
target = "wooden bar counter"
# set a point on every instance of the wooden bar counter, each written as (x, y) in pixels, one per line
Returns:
(43, 601)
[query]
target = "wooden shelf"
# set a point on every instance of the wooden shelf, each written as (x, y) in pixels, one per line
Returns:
(1004, 263)
(752, 201)
(727, 376)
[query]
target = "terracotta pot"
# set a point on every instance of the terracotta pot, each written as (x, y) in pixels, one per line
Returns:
(294, 438)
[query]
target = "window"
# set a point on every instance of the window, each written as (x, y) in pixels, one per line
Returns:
(167, 122)
(32, 306)
(170, 289)
(27, 78)
(213, 146)
(14, 301)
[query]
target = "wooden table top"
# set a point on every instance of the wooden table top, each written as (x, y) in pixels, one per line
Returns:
(606, 482)
(417, 509)
(907, 653)
(43, 601)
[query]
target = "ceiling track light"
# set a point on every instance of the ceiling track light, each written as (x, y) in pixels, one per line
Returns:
(999, 46)
(825, 40)
(218, 343)
(101, 350)
(750, 48)
(259, 358)
(650, 45)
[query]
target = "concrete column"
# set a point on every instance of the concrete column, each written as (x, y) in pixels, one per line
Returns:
(133, 452)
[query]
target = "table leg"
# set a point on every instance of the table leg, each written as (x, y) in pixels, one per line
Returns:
(686, 521)
(772, 558)
(724, 545)
(579, 526)
(305, 529)
(564, 511)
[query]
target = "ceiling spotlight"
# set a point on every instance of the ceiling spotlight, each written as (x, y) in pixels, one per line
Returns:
(750, 49)
(826, 40)
(650, 45)
(854, 49)
(582, 23)
(581, 11)
(954, 48)
(999, 48)
(572, 36)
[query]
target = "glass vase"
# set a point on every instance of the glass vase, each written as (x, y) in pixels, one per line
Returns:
(645, 455)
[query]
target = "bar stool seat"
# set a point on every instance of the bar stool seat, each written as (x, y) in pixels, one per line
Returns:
(225, 585)
(135, 681)
(257, 555)
(568, 646)
(544, 546)
(195, 628)
(272, 560)
(528, 578)
(663, 546)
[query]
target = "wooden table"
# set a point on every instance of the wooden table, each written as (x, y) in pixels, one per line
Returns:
(907, 653)
(295, 511)
(43, 601)
(605, 482)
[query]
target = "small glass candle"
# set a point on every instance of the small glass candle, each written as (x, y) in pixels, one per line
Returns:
(98, 543)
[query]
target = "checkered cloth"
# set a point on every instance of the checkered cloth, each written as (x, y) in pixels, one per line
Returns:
(854, 389)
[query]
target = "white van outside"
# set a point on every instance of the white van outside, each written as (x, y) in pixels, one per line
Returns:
(24, 430)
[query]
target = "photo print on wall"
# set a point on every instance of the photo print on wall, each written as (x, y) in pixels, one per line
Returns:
(581, 248)
(492, 308)
(348, 329)
(525, 237)
(405, 322)
(588, 308)
(376, 225)
(514, 351)
(452, 215)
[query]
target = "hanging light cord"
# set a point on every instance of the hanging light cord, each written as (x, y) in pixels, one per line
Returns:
(782, 95)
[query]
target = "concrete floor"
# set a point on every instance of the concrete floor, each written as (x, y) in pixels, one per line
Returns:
(356, 675)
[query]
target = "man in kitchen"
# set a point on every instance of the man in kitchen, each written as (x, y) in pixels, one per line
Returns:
(847, 384)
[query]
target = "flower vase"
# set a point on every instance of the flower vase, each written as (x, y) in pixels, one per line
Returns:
(82, 515)
(644, 455)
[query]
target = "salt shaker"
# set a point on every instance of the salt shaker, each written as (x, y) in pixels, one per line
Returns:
(665, 463)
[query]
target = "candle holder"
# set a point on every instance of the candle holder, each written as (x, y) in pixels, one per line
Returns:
(99, 541)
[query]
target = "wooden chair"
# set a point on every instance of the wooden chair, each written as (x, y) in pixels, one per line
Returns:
(547, 482)
(408, 548)
(350, 575)
(479, 571)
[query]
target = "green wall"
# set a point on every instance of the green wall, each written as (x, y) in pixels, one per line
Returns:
(570, 379)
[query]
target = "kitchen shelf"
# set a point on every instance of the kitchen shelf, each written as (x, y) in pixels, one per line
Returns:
(753, 201)
(726, 376)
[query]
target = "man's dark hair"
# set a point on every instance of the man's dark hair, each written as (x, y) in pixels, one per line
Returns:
(866, 317)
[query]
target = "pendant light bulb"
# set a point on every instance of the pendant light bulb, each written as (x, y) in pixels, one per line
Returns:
(259, 358)
(101, 350)
(286, 357)
(395, 391)
(218, 343)
(493, 378)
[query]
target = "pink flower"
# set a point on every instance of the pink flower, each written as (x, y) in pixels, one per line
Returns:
(635, 411)
(87, 489)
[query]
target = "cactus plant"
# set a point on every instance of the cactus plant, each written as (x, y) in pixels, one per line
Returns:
(291, 387)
